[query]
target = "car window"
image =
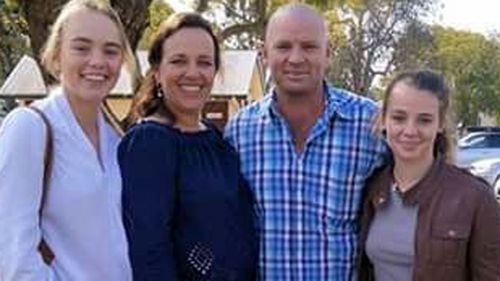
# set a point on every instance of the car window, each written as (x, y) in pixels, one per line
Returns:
(475, 142)
(465, 141)
(494, 141)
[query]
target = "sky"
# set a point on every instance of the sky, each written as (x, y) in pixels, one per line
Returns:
(477, 16)
(179, 5)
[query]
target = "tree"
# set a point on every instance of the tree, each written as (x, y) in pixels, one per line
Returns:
(40, 14)
(24, 27)
(372, 31)
(416, 48)
(14, 44)
(13, 37)
(364, 34)
(470, 61)
(242, 23)
(158, 11)
(472, 64)
(135, 17)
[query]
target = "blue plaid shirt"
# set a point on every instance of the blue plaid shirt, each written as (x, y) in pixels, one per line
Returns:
(308, 203)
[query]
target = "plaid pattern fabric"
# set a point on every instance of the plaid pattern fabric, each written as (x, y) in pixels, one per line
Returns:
(307, 203)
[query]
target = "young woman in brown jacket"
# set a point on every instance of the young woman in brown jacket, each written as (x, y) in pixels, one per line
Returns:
(423, 218)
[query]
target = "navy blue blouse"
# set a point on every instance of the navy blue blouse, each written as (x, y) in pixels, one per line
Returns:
(187, 211)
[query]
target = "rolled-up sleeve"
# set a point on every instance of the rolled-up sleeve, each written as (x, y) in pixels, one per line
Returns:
(22, 148)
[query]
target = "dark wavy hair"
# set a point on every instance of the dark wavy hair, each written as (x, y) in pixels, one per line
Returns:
(145, 102)
(434, 83)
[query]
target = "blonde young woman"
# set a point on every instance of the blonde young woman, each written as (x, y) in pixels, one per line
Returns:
(81, 217)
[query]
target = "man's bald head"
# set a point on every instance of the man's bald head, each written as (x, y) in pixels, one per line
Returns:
(299, 12)
(296, 50)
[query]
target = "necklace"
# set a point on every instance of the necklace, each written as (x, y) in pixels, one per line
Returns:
(401, 185)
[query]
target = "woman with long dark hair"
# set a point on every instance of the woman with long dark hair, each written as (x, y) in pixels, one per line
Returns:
(187, 212)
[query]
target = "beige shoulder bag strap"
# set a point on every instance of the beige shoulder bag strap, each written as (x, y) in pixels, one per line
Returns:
(43, 247)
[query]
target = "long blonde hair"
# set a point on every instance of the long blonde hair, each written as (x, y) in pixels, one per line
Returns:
(51, 50)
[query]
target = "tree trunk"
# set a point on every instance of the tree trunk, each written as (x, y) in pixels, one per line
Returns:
(40, 14)
(135, 18)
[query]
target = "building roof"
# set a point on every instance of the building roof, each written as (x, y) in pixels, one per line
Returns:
(233, 79)
(24, 80)
(236, 73)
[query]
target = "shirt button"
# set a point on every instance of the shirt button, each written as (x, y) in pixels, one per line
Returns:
(452, 233)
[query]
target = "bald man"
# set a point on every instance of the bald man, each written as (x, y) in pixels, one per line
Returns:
(306, 150)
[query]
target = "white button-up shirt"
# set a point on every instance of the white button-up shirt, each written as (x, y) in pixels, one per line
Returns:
(81, 220)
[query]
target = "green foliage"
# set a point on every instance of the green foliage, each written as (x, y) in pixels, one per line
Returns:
(158, 11)
(6, 105)
(415, 48)
(472, 64)
(14, 42)
(367, 35)
(13, 37)
(241, 23)
(364, 34)
(470, 61)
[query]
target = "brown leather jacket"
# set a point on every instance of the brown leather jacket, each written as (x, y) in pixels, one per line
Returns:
(458, 226)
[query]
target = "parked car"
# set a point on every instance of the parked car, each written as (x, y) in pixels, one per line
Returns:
(471, 129)
(478, 146)
(489, 169)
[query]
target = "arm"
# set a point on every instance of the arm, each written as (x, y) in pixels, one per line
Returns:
(22, 147)
(231, 131)
(485, 241)
(147, 159)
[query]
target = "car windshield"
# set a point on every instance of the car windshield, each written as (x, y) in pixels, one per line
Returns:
(480, 141)
(471, 140)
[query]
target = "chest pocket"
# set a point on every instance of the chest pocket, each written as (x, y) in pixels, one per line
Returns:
(449, 244)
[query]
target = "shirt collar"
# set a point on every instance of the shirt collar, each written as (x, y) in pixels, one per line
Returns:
(71, 124)
(338, 101)
(417, 194)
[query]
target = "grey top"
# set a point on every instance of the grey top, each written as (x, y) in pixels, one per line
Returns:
(391, 239)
